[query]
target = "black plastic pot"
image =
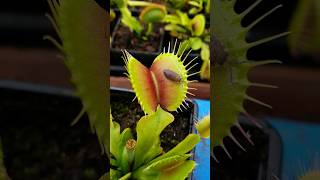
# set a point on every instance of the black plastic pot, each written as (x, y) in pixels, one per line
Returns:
(38, 140)
(262, 161)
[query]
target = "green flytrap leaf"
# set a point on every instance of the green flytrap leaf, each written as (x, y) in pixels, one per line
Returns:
(131, 22)
(81, 26)
(198, 24)
(144, 158)
(203, 127)
(153, 13)
(231, 69)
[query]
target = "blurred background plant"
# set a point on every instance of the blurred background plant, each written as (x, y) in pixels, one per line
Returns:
(305, 28)
(151, 13)
(185, 20)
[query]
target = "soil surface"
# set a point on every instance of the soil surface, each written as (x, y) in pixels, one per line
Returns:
(39, 143)
(250, 165)
(127, 113)
(123, 38)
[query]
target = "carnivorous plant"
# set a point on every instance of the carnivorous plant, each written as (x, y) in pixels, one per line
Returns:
(151, 13)
(143, 158)
(230, 69)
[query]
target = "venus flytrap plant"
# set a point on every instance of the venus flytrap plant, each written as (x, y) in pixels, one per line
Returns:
(150, 14)
(231, 68)
(144, 158)
(161, 88)
(84, 46)
(81, 26)
(165, 83)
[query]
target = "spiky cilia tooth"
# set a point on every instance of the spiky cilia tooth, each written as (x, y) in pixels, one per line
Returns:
(265, 40)
(185, 57)
(257, 101)
(244, 133)
(236, 142)
(262, 17)
(174, 46)
(252, 119)
(226, 150)
(249, 9)
(189, 68)
(262, 85)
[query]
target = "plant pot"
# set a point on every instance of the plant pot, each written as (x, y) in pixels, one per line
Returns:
(38, 140)
(262, 161)
(145, 57)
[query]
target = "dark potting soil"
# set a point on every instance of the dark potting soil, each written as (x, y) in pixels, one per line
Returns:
(249, 165)
(125, 39)
(127, 114)
(39, 143)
